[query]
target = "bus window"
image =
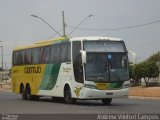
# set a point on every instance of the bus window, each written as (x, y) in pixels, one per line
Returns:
(20, 59)
(65, 53)
(68, 52)
(77, 63)
(57, 53)
(15, 58)
(27, 56)
(52, 54)
(45, 54)
(35, 55)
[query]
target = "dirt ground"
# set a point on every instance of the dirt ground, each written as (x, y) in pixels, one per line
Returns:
(145, 91)
(5, 87)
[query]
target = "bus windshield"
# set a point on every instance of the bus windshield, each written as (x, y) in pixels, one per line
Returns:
(107, 64)
(104, 46)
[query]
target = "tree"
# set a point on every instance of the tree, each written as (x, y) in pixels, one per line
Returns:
(146, 69)
(154, 58)
(136, 74)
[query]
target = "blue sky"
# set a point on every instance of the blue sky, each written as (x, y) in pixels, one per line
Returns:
(18, 28)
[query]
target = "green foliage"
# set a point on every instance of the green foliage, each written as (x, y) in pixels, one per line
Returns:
(131, 72)
(154, 58)
(136, 73)
(147, 69)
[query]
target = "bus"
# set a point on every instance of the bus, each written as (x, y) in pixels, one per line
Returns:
(86, 68)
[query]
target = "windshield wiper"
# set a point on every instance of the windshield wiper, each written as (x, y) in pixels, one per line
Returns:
(91, 79)
(96, 78)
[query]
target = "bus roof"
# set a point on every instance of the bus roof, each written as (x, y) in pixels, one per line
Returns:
(43, 43)
(66, 39)
(95, 38)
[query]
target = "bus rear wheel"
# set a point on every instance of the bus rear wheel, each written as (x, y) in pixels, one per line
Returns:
(23, 93)
(67, 96)
(107, 101)
(28, 93)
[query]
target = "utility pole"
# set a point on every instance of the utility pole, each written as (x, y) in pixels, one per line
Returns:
(64, 25)
(158, 62)
(2, 62)
(2, 56)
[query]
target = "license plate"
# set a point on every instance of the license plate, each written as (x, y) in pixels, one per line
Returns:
(109, 93)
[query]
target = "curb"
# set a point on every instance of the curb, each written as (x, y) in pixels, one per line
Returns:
(141, 97)
(3, 90)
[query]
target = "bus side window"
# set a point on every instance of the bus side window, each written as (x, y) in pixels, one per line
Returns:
(57, 53)
(35, 55)
(77, 62)
(52, 54)
(15, 58)
(27, 56)
(45, 51)
(69, 52)
(65, 54)
(20, 59)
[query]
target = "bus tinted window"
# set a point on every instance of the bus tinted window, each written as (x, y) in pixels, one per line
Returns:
(20, 59)
(52, 54)
(69, 52)
(45, 51)
(104, 46)
(43, 55)
(27, 56)
(77, 63)
(15, 58)
(35, 55)
(65, 53)
(56, 54)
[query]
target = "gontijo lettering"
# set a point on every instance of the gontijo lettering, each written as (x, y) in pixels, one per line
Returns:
(32, 69)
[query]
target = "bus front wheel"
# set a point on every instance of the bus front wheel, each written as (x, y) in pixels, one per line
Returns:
(107, 101)
(67, 96)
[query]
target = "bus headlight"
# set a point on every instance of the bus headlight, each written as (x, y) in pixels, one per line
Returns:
(125, 86)
(90, 86)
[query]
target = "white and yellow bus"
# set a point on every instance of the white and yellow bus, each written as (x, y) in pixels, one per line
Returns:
(89, 68)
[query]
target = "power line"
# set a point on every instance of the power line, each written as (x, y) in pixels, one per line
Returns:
(118, 28)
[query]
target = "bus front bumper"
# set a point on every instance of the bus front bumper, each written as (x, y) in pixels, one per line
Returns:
(88, 93)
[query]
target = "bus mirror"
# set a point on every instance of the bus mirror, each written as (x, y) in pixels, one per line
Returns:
(83, 53)
(124, 61)
(134, 57)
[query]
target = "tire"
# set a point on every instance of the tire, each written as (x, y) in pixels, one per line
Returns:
(23, 94)
(28, 93)
(107, 101)
(67, 96)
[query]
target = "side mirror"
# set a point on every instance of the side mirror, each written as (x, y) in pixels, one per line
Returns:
(124, 62)
(84, 55)
(134, 57)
